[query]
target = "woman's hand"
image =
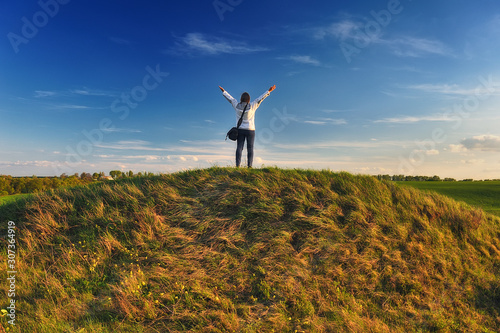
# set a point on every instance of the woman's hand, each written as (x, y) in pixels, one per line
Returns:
(272, 88)
(221, 88)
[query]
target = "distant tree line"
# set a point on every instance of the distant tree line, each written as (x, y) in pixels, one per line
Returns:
(403, 178)
(16, 185)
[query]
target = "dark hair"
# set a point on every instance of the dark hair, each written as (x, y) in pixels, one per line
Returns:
(245, 97)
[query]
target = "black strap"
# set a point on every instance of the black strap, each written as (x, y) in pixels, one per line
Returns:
(241, 118)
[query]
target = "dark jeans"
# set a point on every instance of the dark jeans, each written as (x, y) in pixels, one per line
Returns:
(243, 135)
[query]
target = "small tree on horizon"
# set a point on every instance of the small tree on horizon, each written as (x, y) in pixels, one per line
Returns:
(115, 174)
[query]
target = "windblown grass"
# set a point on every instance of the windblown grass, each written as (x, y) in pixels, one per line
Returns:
(262, 250)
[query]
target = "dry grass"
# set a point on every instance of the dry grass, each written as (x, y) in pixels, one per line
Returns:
(263, 250)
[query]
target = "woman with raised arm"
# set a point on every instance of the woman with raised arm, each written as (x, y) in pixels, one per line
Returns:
(246, 130)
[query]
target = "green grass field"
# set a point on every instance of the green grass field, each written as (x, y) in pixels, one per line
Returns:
(485, 195)
(10, 198)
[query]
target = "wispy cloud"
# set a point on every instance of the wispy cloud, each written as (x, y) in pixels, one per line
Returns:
(92, 92)
(457, 148)
(185, 147)
(453, 89)
(44, 93)
(414, 119)
(121, 130)
(342, 30)
(476, 162)
(335, 110)
(65, 106)
(353, 32)
(73, 92)
(151, 158)
(342, 144)
(317, 120)
(198, 43)
(27, 163)
(131, 145)
(326, 121)
(408, 46)
(302, 59)
(71, 107)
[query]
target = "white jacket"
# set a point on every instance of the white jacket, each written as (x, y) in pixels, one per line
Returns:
(249, 117)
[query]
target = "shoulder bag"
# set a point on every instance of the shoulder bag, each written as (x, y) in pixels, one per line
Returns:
(233, 132)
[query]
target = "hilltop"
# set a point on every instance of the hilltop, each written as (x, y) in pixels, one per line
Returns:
(259, 250)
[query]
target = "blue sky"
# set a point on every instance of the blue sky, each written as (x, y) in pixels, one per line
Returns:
(370, 87)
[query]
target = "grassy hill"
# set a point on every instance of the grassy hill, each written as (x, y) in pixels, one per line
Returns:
(260, 250)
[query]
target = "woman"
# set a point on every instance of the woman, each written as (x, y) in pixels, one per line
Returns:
(247, 128)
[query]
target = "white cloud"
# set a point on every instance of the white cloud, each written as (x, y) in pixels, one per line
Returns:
(81, 92)
(44, 93)
(315, 122)
(302, 59)
(454, 89)
(318, 121)
(413, 119)
(432, 152)
(354, 33)
(198, 43)
(408, 46)
(121, 130)
(342, 144)
(92, 92)
(326, 121)
(305, 60)
(457, 148)
(336, 111)
(483, 143)
(131, 145)
(373, 170)
(70, 106)
(27, 163)
(342, 30)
